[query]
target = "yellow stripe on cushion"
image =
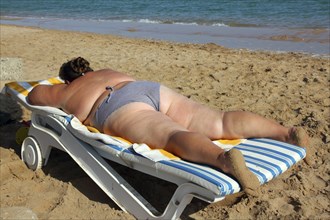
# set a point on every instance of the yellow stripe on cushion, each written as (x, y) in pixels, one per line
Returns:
(33, 84)
(20, 89)
(169, 155)
(54, 81)
(230, 142)
(92, 129)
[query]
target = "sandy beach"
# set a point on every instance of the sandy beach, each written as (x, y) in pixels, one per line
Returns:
(291, 88)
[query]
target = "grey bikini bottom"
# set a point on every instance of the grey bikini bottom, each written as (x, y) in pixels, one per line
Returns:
(137, 91)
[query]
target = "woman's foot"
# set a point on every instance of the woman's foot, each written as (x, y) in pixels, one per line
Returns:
(299, 137)
(235, 165)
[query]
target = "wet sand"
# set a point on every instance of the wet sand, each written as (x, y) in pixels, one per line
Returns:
(314, 41)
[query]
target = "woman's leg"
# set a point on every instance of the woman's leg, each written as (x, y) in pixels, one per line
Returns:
(250, 125)
(159, 131)
(225, 125)
(199, 148)
(241, 124)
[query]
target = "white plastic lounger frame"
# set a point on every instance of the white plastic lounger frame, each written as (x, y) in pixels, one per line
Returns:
(49, 131)
(51, 127)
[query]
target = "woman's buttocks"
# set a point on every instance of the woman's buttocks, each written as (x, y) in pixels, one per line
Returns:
(137, 91)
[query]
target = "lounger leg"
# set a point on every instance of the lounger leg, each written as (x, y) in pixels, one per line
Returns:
(183, 196)
(176, 207)
(43, 131)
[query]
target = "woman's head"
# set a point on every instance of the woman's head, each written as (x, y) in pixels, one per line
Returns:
(74, 68)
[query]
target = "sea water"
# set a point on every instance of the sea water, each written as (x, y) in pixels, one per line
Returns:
(280, 25)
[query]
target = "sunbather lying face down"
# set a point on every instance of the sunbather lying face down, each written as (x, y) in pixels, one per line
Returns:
(148, 112)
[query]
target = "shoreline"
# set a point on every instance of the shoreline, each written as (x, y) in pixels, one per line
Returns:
(291, 88)
(309, 41)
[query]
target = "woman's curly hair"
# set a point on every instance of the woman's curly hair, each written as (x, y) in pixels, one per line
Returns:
(74, 68)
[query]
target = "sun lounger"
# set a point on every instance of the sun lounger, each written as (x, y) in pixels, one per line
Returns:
(53, 128)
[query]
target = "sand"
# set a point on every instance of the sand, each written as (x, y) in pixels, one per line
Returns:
(291, 88)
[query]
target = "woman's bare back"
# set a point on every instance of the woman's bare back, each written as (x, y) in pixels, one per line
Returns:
(87, 91)
(81, 96)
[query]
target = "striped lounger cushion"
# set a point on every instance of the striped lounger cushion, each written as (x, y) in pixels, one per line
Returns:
(264, 157)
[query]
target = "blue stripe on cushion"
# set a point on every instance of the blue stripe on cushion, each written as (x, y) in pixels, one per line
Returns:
(262, 178)
(249, 159)
(291, 160)
(68, 118)
(299, 150)
(225, 189)
(26, 85)
(244, 148)
(118, 148)
(262, 166)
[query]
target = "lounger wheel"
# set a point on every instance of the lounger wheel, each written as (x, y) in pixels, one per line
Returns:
(31, 153)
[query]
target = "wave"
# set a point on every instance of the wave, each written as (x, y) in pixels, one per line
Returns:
(148, 21)
(143, 20)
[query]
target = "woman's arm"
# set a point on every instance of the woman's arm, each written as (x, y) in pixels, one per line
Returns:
(47, 95)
